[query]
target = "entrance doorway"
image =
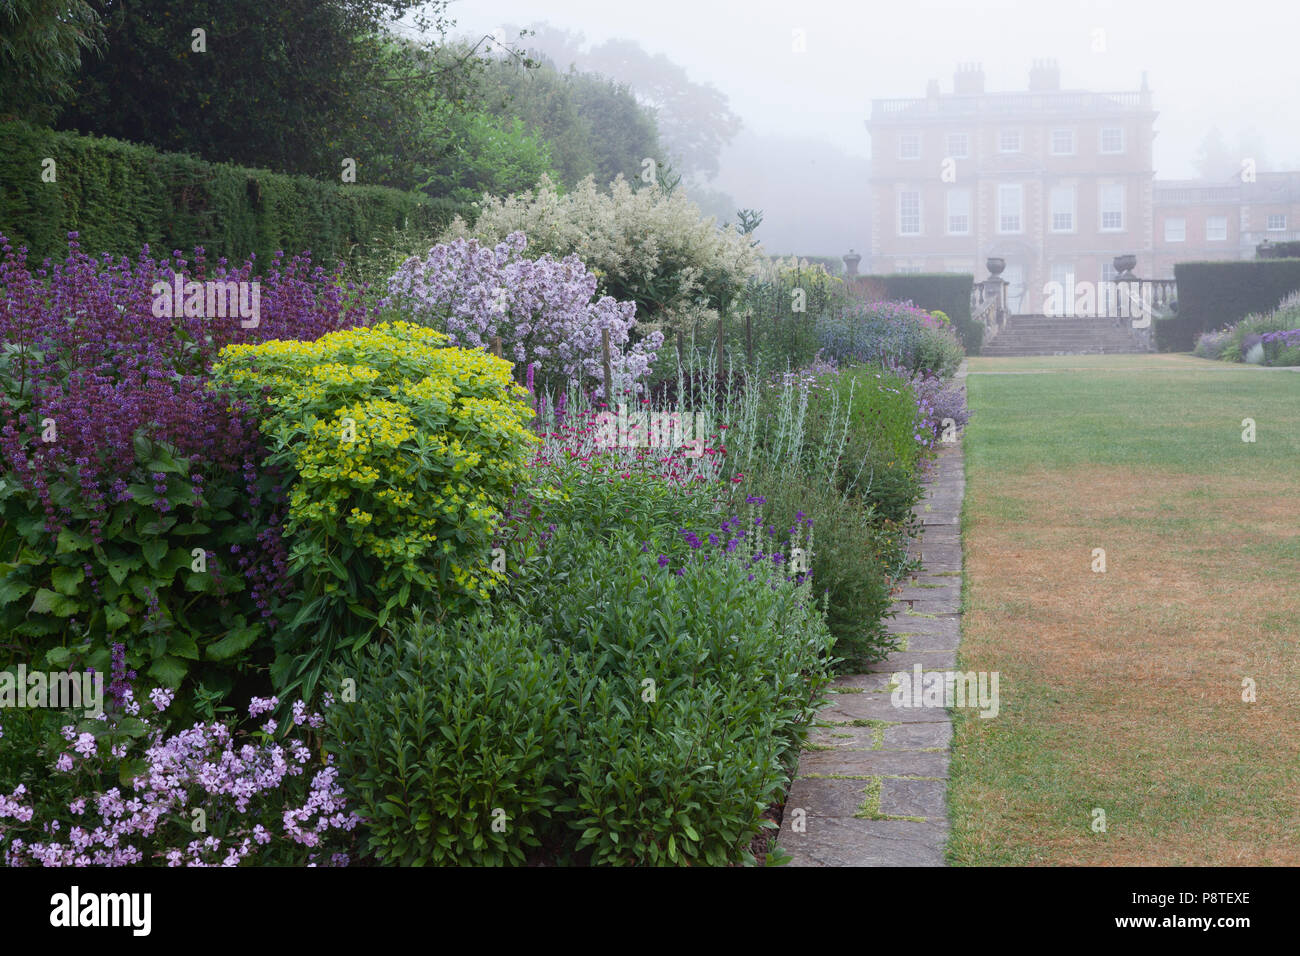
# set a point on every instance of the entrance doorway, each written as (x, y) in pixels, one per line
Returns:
(1014, 275)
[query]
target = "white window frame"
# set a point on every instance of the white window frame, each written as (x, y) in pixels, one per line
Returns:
(1101, 207)
(965, 148)
(1052, 211)
(1269, 222)
(1020, 140)
(948, 212)
(1101, 140)
(1063, 277)
(1062, 152)
(1209, 233)
(903, 194)
(904, 138)
(1181, 235)
(1003, 190)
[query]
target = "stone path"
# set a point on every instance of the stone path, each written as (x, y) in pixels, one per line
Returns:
(871, 788)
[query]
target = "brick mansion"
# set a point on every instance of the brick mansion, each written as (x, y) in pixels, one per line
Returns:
(1055, 182)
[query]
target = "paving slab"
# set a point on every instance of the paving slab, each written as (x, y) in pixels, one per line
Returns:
(916, 736)
(871, 786)
(900, 797)
(873, 763)
(839, 841)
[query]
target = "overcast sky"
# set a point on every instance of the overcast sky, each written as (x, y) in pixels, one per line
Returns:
(1234, 65)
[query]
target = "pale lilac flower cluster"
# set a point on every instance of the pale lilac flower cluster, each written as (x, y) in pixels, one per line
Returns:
(240, 787)
(10, 807)
(161, 698)
(542, 309)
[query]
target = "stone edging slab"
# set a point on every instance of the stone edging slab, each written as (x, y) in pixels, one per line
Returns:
(871, 788)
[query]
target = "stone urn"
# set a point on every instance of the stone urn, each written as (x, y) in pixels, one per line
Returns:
(851, 263)
(995, 265)
(1125, 263)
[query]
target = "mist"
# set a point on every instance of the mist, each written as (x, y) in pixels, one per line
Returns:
(800, 79)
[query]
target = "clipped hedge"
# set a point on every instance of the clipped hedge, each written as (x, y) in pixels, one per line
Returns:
(1175, 334)
(1212, 295)
(119, 196)
(949, 292)
(1278, 250)
(972, 336)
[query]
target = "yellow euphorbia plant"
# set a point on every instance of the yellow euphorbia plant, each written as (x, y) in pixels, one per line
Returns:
(403, 453)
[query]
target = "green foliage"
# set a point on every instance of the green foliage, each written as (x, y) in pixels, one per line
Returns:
(972, 336)
(1289, 356)
(624, 132)
(939, 352)
(490, 156)
(41, 44)
(294, 86)
(856, 556)
(772, 320)
(402, 453)
(681, 770)
(1289, 249)
(592, 126)
(694, 119)
(648, 245)
(770, 324)
(882, 458)
(683, 773)
(371, 262)
(747, 220)
(1233, 348)
(616, 710)
(119, 197)
(64, 601)
(1174, 333)
(456, 727)
(641, 505)
(1212, 295)
(945, 291)
(861, 499)
(842, 451)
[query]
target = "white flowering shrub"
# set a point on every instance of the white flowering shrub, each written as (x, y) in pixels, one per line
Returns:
(645, 244)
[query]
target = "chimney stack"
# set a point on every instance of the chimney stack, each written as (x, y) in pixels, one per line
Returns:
(1044, 75)
(969, 78)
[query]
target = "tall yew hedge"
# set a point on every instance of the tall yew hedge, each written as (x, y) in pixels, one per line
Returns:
(1212, 295)
(118, 196)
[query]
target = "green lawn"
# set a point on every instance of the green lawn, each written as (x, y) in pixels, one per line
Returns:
(1176, 361)
(1121, 691)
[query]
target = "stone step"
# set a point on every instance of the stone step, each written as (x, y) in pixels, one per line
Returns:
(1064, 343)
(1038, 353)
(1061, 343)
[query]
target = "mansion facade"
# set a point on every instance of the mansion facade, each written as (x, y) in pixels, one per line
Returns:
(1056, 183)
